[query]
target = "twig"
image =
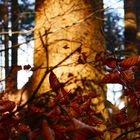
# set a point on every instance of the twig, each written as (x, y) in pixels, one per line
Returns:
(38, 87)
(127, 132)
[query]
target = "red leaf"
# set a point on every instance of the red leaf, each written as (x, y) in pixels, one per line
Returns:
(81, 130)
(6, 105)
(36, 109)
(24, 128)
(33, 134)
(128, 62)
(55, 111)
(54, 82)
(4, 135)
(48, 133)
(121, 116)
(26, 67)
(112, 78)
(62, 96)
(128, 75)
(111, 62)
(60, 132)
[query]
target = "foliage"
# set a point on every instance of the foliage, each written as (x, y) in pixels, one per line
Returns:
(59, 114)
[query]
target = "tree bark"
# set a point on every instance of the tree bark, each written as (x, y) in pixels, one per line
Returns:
(130, 27)
(64, 26)
(14, 37)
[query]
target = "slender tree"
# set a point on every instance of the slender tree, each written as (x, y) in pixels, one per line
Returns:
(14, 37)
(130, 26)
(6, 36)
(138, 24)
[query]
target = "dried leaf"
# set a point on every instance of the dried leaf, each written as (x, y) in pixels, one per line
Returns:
(48, 133)
(110, 62)
(82, 130)
(36, 109)
(113, 77)
(55, 111)
(54, 82)
(128, 62)
(27, 67)
(33, 134)
(6, 106)
(24, 128)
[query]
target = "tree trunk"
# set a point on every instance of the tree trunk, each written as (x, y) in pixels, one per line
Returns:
(130, 27)
(6, 37)
(64, 26)
(14, 37)
(138, 24)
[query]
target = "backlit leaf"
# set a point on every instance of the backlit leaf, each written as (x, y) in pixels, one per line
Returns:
(48, 133)
(6, 106)
(84, 129)
(33, 134)
(112, 78)
(111, 62)
(128, 62)
(54, 82)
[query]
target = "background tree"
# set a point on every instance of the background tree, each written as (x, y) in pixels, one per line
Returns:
(130, 26)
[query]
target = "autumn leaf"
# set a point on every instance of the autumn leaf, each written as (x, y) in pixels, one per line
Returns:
(32, 135)
(26, 67)
(113, 77)
(6, 105)
(48, 133)
(110, 62)
(60, 132)
(36, 109)
(82, 131)
(24, 128)
(54, 82)
(55, 111)
(128, 62)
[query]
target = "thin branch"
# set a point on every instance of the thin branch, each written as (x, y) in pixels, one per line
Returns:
(127, 132)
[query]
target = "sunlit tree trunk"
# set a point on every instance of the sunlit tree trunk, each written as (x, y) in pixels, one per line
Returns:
(66, 25)
(130, 27)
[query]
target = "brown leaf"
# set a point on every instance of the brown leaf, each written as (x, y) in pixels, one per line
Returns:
(54, 82)
(128, 62)
(6, 106)
(112, 78)
(48, 133)
(26, 67)
(110, 62)
(24, 128)
(82, 130)
(33, 134)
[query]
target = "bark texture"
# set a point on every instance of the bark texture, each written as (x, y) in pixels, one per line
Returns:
(65, 25)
